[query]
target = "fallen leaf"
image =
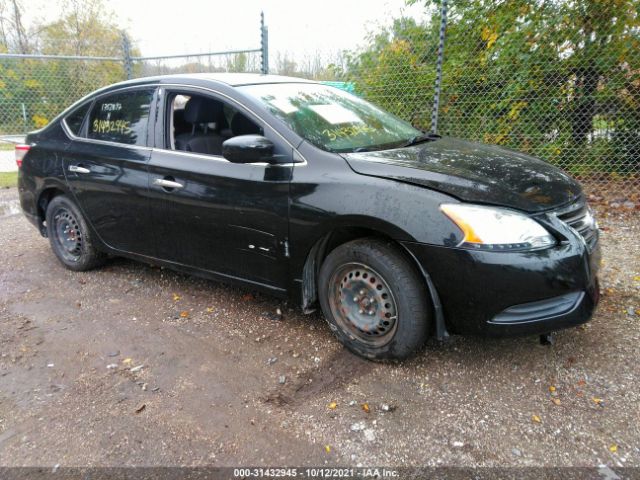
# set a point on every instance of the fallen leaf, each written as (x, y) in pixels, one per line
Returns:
(184, 314)
(176, 297)
(637, 278)
(552, 389)
(127, 361)
(141, 408)
(327, 448)
(333, 405)
(581, 383)
(535, 418)
(597, 401)
(556, 401)
(613, 448)
(209, 309)
(365, 407)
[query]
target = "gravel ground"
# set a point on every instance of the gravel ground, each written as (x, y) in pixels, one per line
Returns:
(8, 161)
(137, 365)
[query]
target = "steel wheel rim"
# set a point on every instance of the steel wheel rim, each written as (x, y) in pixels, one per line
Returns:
(363, 304)
(67, 234)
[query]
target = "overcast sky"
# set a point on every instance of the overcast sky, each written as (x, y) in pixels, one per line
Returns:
(296, 26)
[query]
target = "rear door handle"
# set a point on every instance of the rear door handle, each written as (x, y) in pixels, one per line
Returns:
(164, 183)
(78, 169)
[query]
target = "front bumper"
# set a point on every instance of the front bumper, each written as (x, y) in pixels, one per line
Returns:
(513, 293)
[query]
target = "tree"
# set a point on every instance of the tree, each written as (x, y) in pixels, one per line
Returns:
(45, 87)
(557, 78)
(396, 70)
(285, 65)
(237, 63)
(13, 35)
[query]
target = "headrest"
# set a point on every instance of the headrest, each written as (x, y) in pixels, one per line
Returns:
(241, 125)
(202, 110)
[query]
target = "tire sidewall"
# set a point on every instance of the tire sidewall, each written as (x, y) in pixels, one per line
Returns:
(88, 254)
(412, 303)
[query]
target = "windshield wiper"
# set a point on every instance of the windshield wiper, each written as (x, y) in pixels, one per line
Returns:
(425, 137)
(365, 149)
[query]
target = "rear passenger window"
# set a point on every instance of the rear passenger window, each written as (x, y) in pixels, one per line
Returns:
(121, 118)
(75, 118)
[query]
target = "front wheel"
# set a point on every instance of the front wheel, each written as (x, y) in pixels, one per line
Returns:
(70, 237)
(374, 299)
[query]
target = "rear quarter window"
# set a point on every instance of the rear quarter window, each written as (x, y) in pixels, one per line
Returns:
(75, 119)
(121, 117)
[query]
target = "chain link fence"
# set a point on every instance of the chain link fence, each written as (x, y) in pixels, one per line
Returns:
(248, 61)
(558, 80)
(33, 89)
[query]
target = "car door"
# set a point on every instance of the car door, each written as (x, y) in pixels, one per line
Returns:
(211, 214)
(106, 169)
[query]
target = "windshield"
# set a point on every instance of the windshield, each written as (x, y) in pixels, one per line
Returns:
(332, 119)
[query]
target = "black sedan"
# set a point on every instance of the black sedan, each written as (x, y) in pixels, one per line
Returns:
(309, 193)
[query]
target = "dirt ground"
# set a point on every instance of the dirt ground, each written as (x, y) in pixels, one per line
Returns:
(136, 365)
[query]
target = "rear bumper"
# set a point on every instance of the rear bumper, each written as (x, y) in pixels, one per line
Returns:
(26, 192)
(513, 293)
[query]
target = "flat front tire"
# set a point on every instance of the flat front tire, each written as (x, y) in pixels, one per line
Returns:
(70, 237)
(374, 299)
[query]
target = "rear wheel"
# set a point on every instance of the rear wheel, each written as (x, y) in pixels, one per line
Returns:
(374, 300)
(70, 237)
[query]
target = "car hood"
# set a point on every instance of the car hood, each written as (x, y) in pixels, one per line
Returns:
(473, 172)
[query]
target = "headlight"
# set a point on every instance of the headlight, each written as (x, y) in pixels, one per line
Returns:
(489, 228)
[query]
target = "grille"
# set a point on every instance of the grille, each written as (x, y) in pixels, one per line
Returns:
(578, 216)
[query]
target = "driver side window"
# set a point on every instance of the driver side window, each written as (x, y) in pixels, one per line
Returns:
(200, 123)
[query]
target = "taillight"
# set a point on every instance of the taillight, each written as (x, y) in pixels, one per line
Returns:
(21, 151)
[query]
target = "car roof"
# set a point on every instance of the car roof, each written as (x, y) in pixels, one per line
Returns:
(230, 79)
(237, 79)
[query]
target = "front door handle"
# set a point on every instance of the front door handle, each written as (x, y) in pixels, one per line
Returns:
(78, 169)
(164, 183)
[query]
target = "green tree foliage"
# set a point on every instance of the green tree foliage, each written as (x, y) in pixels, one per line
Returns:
(45, 87)
(556, 78)
(237, 63)
(397, 70)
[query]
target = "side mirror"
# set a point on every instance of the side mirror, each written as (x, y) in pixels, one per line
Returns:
(248, 149)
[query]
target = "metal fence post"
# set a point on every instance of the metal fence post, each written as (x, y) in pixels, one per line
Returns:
(436, 95)
(264, 45)
(24, 118)
(126, 51)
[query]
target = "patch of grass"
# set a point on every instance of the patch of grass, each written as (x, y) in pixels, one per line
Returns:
(8, 179)
(6, 146)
